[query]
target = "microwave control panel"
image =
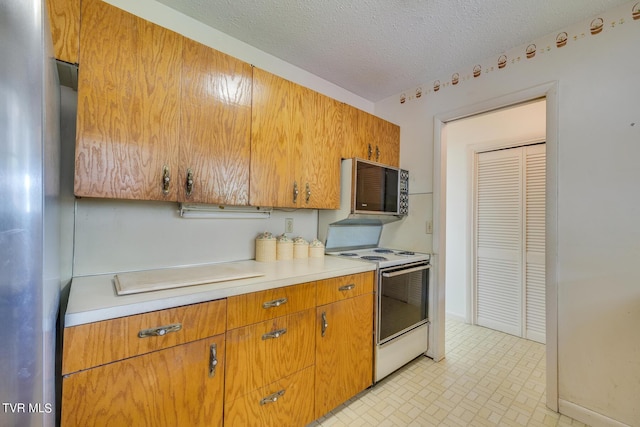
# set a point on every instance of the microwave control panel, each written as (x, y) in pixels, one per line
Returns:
(403, 200)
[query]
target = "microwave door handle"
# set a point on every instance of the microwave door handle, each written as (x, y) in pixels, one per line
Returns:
(408, 270)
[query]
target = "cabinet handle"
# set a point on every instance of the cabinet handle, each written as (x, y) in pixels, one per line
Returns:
(189, 183)
(159, 331)
(213, 360)
(166, 179)
(369, 152)
(295, 192)
(274, 334)
(308, 193)
(274, 303)
(377, 153)
(347, 287)
(272, 398)
(325, 325)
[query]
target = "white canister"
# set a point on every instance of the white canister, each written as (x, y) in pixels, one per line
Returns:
(316, 249)
(300, 248)
(284, 248)
(265, 247)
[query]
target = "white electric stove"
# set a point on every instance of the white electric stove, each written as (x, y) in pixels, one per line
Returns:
(402, 294)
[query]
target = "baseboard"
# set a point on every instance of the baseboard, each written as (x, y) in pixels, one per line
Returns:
(587, 416)
(457, 317)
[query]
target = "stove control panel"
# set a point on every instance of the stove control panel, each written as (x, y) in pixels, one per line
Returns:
(403, 198)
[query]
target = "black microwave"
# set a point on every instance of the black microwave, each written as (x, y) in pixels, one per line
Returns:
(379, 189)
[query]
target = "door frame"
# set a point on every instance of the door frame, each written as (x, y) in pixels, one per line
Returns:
(549, 91)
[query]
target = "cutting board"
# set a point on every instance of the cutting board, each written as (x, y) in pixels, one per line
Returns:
(155, 280)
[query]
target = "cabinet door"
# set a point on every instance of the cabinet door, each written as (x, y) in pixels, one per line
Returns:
(344, 351)
(172, 387)
(64, 21)
(387, 149)
(215, 121)
(128, 92)
(296, 137)
(320, 168)
(276, 137)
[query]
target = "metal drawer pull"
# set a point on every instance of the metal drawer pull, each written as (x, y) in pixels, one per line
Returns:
(272, 398)
(325, 325)
(274, 303)
(213, 360)
(408, 270)
(274, 334)
(159, 331)
(347, 287)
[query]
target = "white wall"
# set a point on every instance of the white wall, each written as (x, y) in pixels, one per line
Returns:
(507, 127)
(597, 199)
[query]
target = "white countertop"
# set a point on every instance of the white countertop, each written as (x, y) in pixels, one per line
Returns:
(94, 298)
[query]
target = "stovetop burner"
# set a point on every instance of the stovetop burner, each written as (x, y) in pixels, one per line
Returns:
(373, 258)
(383, 251)
(406, 253)
(348, 254)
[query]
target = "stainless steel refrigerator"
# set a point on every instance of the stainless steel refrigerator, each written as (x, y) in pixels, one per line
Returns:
(29, 223)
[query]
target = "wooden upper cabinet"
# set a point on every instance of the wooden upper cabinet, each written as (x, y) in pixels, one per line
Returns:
(369, 137)
(276, 138)
(295, 140)
(320, 169)
(215, 118)
(128, 111)
(64, 23)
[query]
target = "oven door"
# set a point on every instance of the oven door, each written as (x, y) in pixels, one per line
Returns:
(403, 299)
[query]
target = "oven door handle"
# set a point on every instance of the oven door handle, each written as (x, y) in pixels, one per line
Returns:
(408, 270)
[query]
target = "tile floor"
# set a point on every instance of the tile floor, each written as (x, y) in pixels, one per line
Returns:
(487, 379)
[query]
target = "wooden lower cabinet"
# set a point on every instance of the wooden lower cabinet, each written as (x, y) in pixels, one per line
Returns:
(262, 353)
(344, 351)
(170, 387)
(286, 402)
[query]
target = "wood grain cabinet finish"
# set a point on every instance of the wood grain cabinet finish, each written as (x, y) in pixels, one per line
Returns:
(160, 117)
(162, 368)
(343, 287)
(64, 23)
(263, 353)
(286, 402)
(255, 307)
(344, 351)
(369, 137)
(295, 143)
(215, 123)
(171, 387)
(99, 343)
(128, 105)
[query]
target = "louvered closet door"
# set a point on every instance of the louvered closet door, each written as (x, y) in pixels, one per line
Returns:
(535, 176)
(499, 241)
(510, 241)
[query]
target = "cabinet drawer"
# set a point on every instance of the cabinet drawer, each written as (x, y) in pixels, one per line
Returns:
(256, 307)
(260, 354)
(98, 343)
(339, 288)
(286, 402)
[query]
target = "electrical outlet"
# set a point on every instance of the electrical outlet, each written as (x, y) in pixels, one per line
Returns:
(288, 225)
(429, 227)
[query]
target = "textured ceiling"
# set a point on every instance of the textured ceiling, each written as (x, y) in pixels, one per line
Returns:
(378, 48)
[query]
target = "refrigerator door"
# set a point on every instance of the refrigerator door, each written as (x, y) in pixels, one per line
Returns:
(29, 279)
